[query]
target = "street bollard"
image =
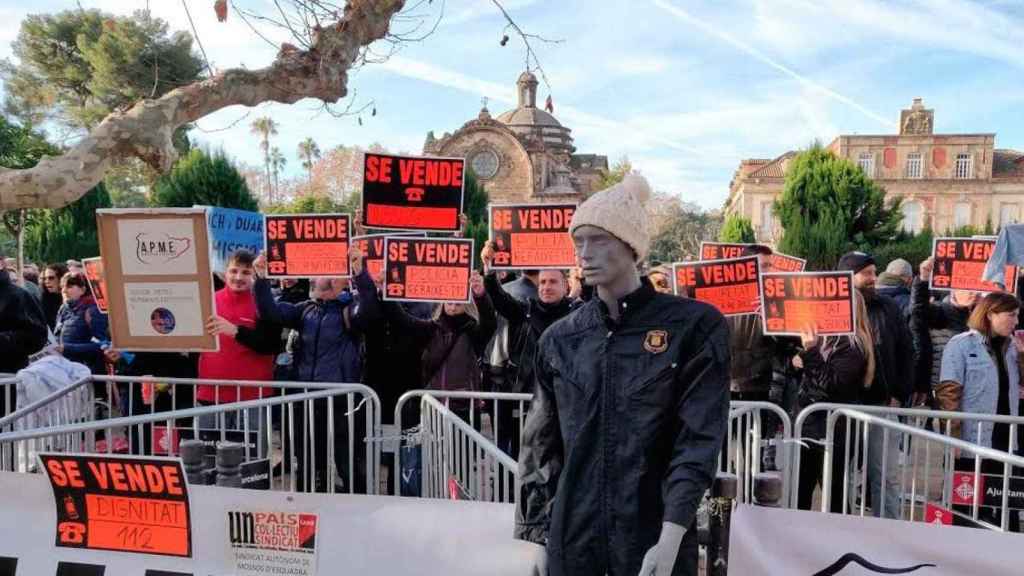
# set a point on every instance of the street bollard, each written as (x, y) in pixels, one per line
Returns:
(229, 462)
(768, 489)
(723, 495)
(192, 460)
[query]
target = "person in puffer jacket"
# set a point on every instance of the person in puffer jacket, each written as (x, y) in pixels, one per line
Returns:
(81, 328)
(329, 349)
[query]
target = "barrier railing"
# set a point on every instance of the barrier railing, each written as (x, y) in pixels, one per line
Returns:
(307, 432)
(459, 462)
(744, 453)
(504, 428)
(8, 393)
(906, 464)
(857, 426)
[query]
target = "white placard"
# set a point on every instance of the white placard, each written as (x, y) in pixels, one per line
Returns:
(163, 309)
(272, 542)
(162, 247)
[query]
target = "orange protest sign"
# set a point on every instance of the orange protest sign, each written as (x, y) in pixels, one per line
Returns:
(427, 269)
(783, 263)
(532, 236)
(125, 504)
(371, 246)
(97, 281)
(959, 264)
(792, 300)
(732, 286)
(721, 250)
(412, 193)
(304, 245)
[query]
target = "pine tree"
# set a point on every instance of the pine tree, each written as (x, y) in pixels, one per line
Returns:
(205, 180)
(737, 229)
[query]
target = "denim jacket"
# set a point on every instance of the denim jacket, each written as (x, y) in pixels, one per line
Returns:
(967, 359)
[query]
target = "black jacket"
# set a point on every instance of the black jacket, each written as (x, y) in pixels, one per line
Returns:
(926, 316)
(22, 325)
(833, 372)
(624, 430)
(894, 353)
(527, 321)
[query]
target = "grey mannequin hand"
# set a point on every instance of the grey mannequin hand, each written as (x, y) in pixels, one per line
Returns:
(661, 558)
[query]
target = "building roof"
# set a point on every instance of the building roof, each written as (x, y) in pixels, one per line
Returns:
(528, 116)
(1007, 163)
(773, 169)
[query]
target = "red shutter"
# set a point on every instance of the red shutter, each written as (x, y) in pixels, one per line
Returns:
(939, 157)
(890, 158)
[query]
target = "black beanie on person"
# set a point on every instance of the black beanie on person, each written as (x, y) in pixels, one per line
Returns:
(855, 261)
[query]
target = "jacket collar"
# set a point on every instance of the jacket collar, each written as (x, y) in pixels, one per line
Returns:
(630, 303)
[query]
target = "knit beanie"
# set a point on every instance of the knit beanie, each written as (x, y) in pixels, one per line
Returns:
(855, 261)
(619, 210)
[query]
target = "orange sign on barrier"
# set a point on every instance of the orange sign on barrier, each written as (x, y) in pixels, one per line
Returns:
(959, 264)
(732, 286)
(412, 193)
(532, 236)
(792, 300)
(371, 246)
(97, 282)
(427, 269)
(124, 504)
(304, 245)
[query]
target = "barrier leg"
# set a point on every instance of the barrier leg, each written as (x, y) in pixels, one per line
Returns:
(723, 495)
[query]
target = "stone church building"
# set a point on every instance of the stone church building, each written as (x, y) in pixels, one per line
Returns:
(945, 180)
(523, 155)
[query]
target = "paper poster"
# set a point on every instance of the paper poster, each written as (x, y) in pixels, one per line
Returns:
(412, 193)
(792, 300)
(272, 542)
(157, 247)
(532, 236)
(959, 264)
(732, 286)
(120, 503)
(232, 230)
(783, 263)
(307, 245)
(163, 309)
(97, 282)
(721, 250)
(371, 246)
(427, 269)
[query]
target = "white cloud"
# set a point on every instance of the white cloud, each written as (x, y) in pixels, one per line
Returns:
(638, 65)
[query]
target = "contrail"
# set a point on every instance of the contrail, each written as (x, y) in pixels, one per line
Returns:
(708, 28)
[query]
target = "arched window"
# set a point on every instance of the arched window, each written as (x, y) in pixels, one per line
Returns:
(913, 217)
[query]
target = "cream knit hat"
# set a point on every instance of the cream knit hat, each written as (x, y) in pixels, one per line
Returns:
(620, 211)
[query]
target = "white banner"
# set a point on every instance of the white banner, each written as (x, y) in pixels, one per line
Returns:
(769, 541)
(251, 531)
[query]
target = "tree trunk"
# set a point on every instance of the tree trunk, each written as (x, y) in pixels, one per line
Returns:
(21, 247)
(145, 130)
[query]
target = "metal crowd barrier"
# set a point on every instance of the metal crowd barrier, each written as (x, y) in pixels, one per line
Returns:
(977, 490)
(8, 393)
(459, 462)
(302, 423)
(480, 404)
(744, 452)
(911, 462)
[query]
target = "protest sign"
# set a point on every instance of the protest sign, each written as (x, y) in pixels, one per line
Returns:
(427, 269)
(272, 542)
(792, 300)
(784, 263)
(532, 236)
(232, 230)
(371, 246)
(159, 284)
(721, 250)
(732, 286)
(97, 283)
(959, 263)
(304, 245)
(120, 503)
(412, 193)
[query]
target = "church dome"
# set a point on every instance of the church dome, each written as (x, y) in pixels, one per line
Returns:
(529, 121)
(528, 117)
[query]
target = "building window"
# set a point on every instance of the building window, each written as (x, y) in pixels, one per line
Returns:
(962, 215)
(866, 161)
(913, 217)
(767, 221)
(964, 166)
(1007, 214)
(914, 165)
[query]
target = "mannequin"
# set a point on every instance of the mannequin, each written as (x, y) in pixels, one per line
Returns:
(629, 412)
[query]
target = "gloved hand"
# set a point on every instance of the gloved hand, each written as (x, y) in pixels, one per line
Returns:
(661, 558)
(540, 561)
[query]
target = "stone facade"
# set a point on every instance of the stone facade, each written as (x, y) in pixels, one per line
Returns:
(523, 155)
(945, 180)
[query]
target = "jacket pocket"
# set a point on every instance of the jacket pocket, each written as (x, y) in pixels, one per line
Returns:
(643, 388)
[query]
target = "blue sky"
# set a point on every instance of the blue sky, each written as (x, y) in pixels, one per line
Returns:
(684, 89)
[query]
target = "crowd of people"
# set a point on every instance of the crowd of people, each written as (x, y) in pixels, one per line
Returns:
(956, 351)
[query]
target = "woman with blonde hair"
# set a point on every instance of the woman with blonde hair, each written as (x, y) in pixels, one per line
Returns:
(836, 369)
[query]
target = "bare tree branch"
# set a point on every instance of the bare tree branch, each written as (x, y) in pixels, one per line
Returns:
(145, 130)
